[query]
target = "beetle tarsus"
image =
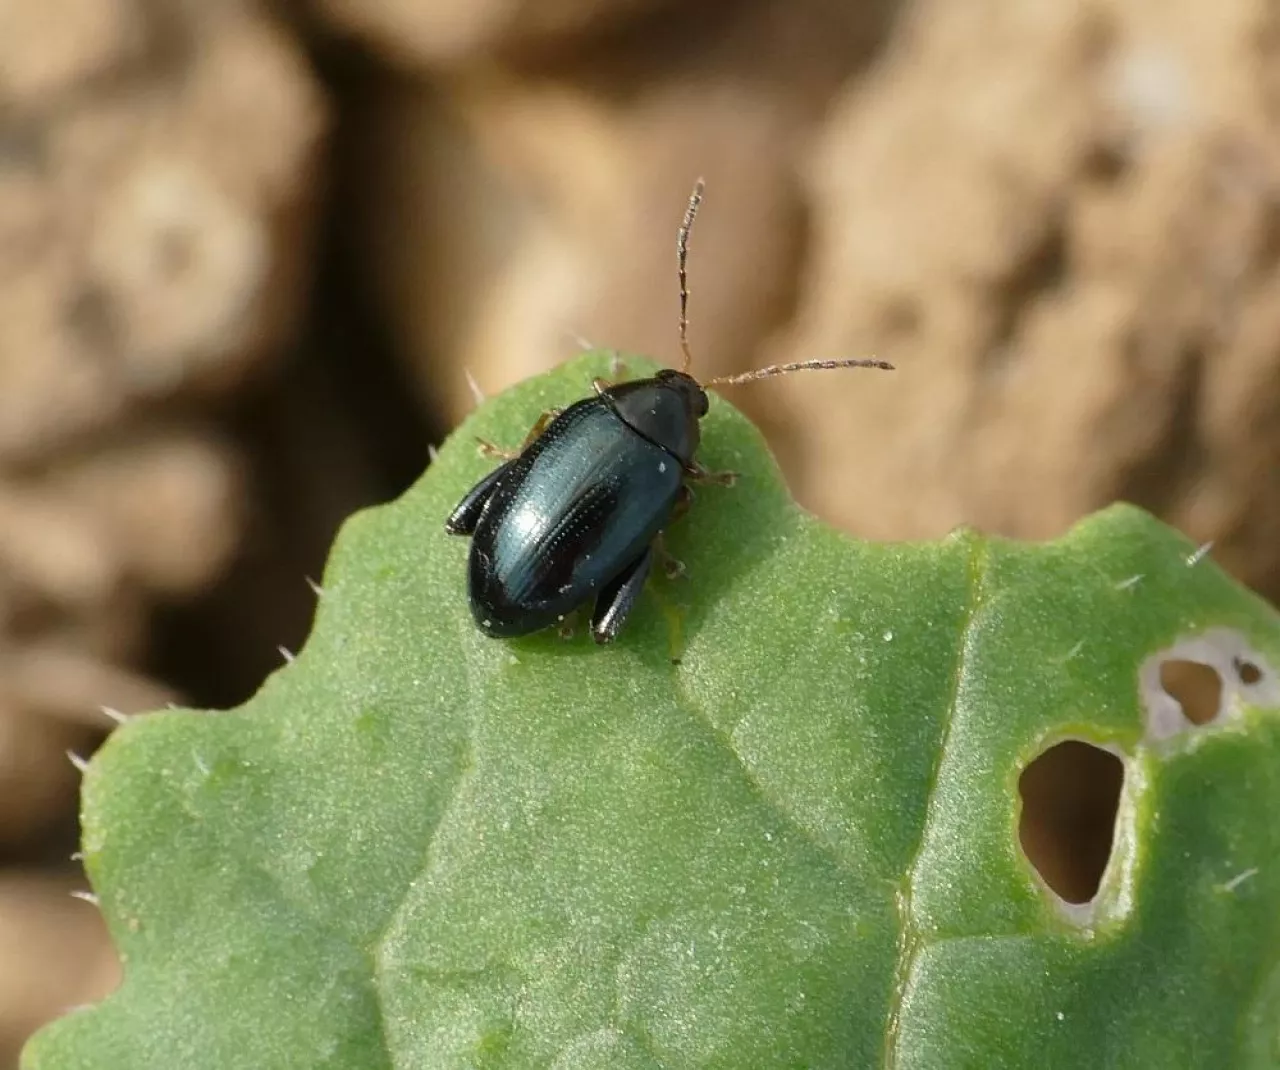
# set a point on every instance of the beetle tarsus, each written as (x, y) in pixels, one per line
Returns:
(617, 600)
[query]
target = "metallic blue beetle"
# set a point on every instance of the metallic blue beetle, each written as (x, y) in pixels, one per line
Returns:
(577, 514)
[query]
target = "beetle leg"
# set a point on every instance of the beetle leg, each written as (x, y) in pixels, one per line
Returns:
(672, 567)
(615, 602)
(698, 474)
(488, 449)
(684, 499)
(617, 372)
(539, 427)
(464, 518)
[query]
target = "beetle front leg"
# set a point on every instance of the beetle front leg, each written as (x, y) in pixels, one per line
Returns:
(617, 371)
(616, 601)
(697, 474)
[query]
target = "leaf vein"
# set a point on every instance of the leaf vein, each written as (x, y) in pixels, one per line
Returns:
(758, 788)
(910, 942)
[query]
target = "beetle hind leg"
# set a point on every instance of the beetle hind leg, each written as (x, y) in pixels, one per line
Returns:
(616, 601)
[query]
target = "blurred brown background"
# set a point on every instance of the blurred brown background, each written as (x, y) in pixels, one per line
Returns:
(246, 250)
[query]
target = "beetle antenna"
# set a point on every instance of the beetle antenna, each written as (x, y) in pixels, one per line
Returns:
(797, 366)
(682, 255)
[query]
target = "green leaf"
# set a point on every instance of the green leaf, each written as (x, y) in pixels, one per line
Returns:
(797, 847)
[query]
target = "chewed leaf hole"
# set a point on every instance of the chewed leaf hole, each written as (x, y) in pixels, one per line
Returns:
(1070, 799)
(1204, 680)
(1195, 687)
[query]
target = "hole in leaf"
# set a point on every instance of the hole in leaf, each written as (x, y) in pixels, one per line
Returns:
(1197, 688)
(1070, 798)
(1248, 672)
(1204, 679)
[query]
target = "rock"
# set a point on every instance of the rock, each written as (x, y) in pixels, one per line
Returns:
(169, 506)
(528, 207)
(54, 47)
(451, 32)
(1059, 223)
(38, 785)
(152, 227)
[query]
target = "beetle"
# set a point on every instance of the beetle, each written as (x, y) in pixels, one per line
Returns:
(576, 515)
